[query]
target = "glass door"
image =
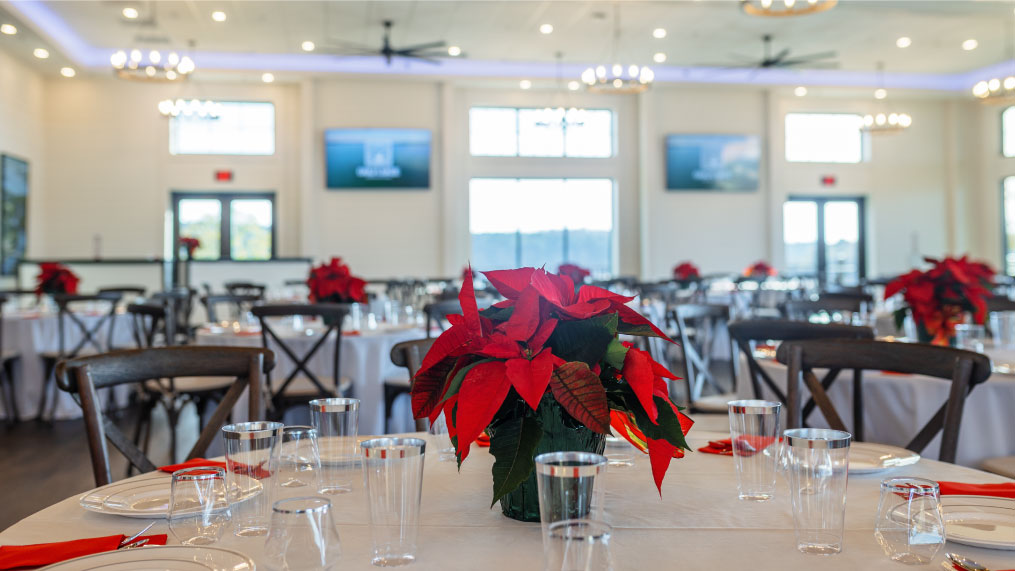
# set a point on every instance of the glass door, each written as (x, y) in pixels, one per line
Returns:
(824, 238)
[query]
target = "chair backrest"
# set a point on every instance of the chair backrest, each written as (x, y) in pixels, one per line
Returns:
(965, 369)
(410, 354)
(829, 304)
(84, 376)
(124, 290)
(148, 320)
(68, 318)
(245, 288)
(698, 327)
(999, 303)
(211, 302)
(179, 303)
(438, 312)
(748, 333)
(333, 314)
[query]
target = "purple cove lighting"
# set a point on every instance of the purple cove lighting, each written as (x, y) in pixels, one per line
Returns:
(54, 28)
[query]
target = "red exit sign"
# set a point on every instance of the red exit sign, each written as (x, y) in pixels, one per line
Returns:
(828, 180)
(224, 176)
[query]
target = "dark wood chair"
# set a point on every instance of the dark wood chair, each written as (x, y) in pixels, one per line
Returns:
(8, 393)
(437, 313)
(124, 291)
(698, 326)
(408, 354)
(245, 288)
(965, 369)
(747, 334)
(242, 303)
(179, 303)
(846, 306)
(86, 375)
(303, 385)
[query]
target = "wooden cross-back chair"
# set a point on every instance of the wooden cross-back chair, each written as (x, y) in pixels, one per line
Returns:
(8, 394)
(302, 385)
(408, 354)
(698, 327)
(438, 312)
(965, 370)
(179, 303)
(239, 301)
(85, 375)
(830, 304)
(245, 288)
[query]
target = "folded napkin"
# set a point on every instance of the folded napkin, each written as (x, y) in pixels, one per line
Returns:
(957, 568)
(351, 332)
(18, 556)
(258, 472)
(483, 440)
(1003, 490)
(721, 447)
(746, 445)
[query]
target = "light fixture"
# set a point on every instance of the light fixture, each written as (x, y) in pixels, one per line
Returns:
(880, 93)
(995, 90)
(659, 57)
(151, 67)
(525, 84)
(41, 53)
(884, 121)
(130, 13)
(782, 8)
(205, 109)
(67, 71)
(562, 115)
(267, 77)
(800, 91)
(659, 33)
(307, 46)
(970, 45)
(546, 29)
(218, 16)
(454, 51)
(574, 85)
(615, 77)
(904, 42)
(8, 29)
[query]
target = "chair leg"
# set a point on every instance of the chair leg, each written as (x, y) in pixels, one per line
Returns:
(8, 368)
(390, 393)
(47, 377)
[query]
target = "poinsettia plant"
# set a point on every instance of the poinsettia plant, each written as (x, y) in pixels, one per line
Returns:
(686, 271)
(547, 341)
(191, 244)
(940, 297)
(759, 270)
(574, 271)
(55, 278)
(333, 282)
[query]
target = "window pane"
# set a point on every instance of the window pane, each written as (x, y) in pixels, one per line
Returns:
(800, 236)
(241, 128)
(201, 218)
(842, 242)
(493, 131)
(541, 132)
(1008, 132)
(589, 133)
(1009, 225)
(823, 138)
(250, 229)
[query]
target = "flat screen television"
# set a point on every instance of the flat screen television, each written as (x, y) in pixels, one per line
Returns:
(377, 158)
(712, 162)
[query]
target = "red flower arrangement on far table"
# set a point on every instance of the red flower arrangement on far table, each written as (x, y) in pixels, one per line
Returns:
(574, 271)
(545, 348)
(686, 271)
(759, 270)
(191, 244)
(334, 283)
(55, 278)
(939, 297)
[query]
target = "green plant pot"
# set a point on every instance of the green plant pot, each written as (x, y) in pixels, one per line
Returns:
(924, 337)
(560, 433)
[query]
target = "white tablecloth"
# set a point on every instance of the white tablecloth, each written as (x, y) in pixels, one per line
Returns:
(697, 524)
(365, 360)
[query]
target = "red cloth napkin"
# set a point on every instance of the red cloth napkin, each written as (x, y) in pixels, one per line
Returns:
(247, 333)
(351, 332)
(1003, 490)
(747, 445)
(257, 472)
(39, 554)
(483, 440)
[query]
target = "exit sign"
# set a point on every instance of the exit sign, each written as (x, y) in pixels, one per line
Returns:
(828, 180)
(224, 176)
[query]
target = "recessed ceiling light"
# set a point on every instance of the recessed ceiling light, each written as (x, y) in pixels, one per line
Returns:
(659, 33)
(218, 16)
(546, 29)
(904, 42)
(41, 53)
(970, 45)
(130, 13)
(8, 29)
(880, 93)
(67, 71)
(525, 84)
(307, 46)
(454, 51)
(659, 57)
(573, 85)
(267, 77)
(800, 91)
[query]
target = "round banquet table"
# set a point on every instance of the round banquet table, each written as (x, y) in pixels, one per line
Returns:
(697, 524)
(365, 360)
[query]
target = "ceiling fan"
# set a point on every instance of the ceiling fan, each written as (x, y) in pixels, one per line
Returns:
(784, 59)
(428, 52)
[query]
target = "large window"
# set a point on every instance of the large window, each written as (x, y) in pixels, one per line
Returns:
(510, 132)
(1008, 132)
(824, 138)
(1008, 200)
(824, 237)
(229, 226)
(234, 128)
(536, 222)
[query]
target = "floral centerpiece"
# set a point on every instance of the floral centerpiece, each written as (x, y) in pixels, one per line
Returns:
(334, 283)
(55, 278)
(544, 371)
(685, 271)
(190, 244)
(575, 272)
(759, 270)
(940, 297)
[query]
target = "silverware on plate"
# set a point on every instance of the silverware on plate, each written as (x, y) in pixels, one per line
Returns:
(127, 541)
(956, 561)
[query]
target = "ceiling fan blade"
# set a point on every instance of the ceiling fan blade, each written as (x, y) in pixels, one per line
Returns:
(780, 56)
(349, 52)
(421, 47)
(811, 65)
(423, 58)
(814, 56)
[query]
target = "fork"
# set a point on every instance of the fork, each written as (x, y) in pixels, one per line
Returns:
(127, 541)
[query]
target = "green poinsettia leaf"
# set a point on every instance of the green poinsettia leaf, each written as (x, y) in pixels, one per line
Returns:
(668, 428)
(900, 318)
(585, 340)
(615, 353)
(580, 392)
(498, 313)
(456, 382)
(633, 329)
(513, 446)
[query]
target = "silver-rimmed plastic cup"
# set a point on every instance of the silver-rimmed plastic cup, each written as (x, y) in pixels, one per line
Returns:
(578, 544)
(570, 487)
(910, 527)
(199, 505)
(754, 432)
(336, 421)
(252, 450)
(393, 478)
(303, 535)
(817, 465)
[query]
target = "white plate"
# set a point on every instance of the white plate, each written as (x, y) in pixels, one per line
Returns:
(146, 496)
(868, 458)
(167, 558)
(980, 521)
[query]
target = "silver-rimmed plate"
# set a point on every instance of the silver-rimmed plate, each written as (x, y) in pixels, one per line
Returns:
(869, 458)
(980, 521)
(147, 496)
(167, 558)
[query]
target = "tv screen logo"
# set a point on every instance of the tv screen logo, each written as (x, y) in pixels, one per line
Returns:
(378, 161)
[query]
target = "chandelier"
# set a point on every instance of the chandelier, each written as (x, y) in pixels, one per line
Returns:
(151, 66)
(558, 116)
(205, 109)
(782, 8)
(617, 78)
(996, 91)
(884, 122)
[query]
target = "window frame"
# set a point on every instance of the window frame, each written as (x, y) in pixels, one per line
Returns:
(864, 140)
(822, 260)
(1001, 121)
(225, 234)
(274, 133)
(518, 137)
(1004, 228)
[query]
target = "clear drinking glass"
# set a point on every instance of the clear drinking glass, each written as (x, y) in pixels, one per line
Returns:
(1002, 325)
(393, 478)
(299, 462)
(252, 450)
(578, 544)
(970, 337)
(570, 487)
(909, 526)
(439, 430)
(619, 452)
(336, 421)
(754, 431)
(303, 535)
(817, 463)
(198, 505)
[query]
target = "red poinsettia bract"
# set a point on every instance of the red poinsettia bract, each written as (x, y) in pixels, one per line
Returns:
(574, 271)
(333, 282)
(55, 278)
(190, 244)
(686, 271)
(547, 340)
(759, 270)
